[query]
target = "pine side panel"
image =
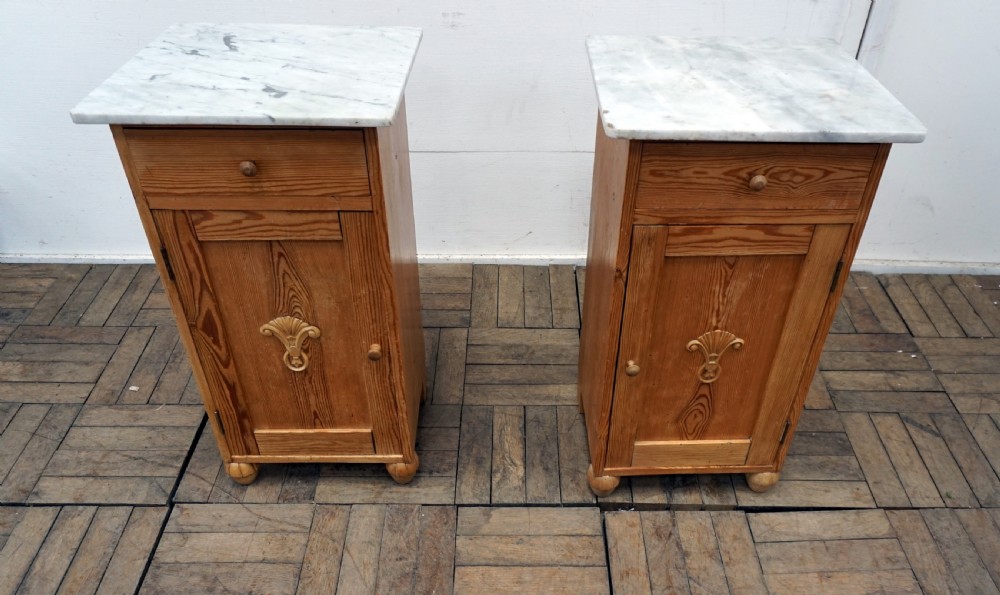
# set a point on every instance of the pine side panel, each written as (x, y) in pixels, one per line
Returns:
(615, 173)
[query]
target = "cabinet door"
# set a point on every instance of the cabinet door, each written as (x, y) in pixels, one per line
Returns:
(717, 327)
(284, 308)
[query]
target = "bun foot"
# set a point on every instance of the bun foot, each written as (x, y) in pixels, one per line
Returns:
(403, 472)
(762, 482)
(601, 485)
(242, 473)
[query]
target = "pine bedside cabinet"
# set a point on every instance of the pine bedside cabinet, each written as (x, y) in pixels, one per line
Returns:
(270, 167)
(732, 180)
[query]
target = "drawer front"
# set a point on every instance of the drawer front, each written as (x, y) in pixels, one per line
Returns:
(251, 168)
(751, 176)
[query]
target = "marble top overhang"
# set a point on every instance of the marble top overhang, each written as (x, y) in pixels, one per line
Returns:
(730, 89)
(259, 75)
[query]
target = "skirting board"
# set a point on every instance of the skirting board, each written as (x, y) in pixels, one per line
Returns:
(867, 265)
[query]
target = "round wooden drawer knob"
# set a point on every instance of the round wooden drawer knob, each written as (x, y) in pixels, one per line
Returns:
(758, 183)
(632, 369)
(248, 168)
(375, 352)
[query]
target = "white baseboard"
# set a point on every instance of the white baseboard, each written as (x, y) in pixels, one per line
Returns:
(867, 265)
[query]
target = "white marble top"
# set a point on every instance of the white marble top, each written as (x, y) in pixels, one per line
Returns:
(727, 89)
(243, 74)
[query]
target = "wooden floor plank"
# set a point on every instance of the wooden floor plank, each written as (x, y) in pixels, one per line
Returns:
(118, 370)
(23, 544)
(790, 557)
(221, 578)
(964, 314)
(56, 554)
(507, 579)
(528, 521)
(83, 295)
(885, 581)
(541, 470)
(980, 302)
(135, 295)
(573, 456)
(942, 319)
(922, 551)
(529, 550)
(739, 556)
(984, 429)
(435, 562)
(880, 304)
(240, 518)
(885, 486)
(57, 294)
(947, 475)
(564, 299)
(842, 321)
(627, 553)
(485, 287)
(980, 475)
(432, 337)
(819, 526)
(520, 375)
(397, 565)
(508, 468)
(664, 553)
(808, 494)
(104, 302)
(203, 467)
(359, 569)
(173, 380)
(906, 461)
(510, 297)
(92, 558)
(537, 298)
(701, 553)
(917, 321)
(134, 550)
(325, 550)
(449, 379)
(32, 462)
(858, 310)
(958, 551)
(475, 456)
(985, 536)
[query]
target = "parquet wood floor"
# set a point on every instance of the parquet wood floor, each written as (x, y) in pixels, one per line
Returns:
(109, 481)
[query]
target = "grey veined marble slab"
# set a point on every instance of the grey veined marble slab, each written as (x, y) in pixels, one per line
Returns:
(246, 74)
(727, 89)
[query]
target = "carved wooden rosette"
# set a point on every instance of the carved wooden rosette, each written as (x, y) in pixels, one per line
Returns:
(695, 417)
(292, 332)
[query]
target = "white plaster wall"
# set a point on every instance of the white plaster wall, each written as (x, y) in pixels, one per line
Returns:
(501, 113)
(938, 205)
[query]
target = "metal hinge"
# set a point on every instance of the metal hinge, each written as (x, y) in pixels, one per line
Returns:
(784, 433)
(836, 276)
(166, 263)
(218, 420)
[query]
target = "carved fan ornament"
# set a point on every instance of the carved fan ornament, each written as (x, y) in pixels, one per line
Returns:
(292, 332)
(712, 345)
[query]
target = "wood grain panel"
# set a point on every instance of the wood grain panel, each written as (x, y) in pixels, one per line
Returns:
(204, 164)
(266, 225)
(202, 314)
(746, 295)
(690, 453)
(716, 176)
(314, 442)
(615, 171)
(391, 179)
(745, 240)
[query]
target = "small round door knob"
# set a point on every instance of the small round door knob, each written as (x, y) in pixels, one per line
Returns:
(248, 168)
(758, 182)
(632, 368)
(375, 352)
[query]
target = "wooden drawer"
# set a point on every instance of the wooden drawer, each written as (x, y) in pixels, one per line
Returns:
(717, 176)
(251, 168)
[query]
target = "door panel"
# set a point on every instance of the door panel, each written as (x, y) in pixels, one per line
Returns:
(705, 330)
(297, 342)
